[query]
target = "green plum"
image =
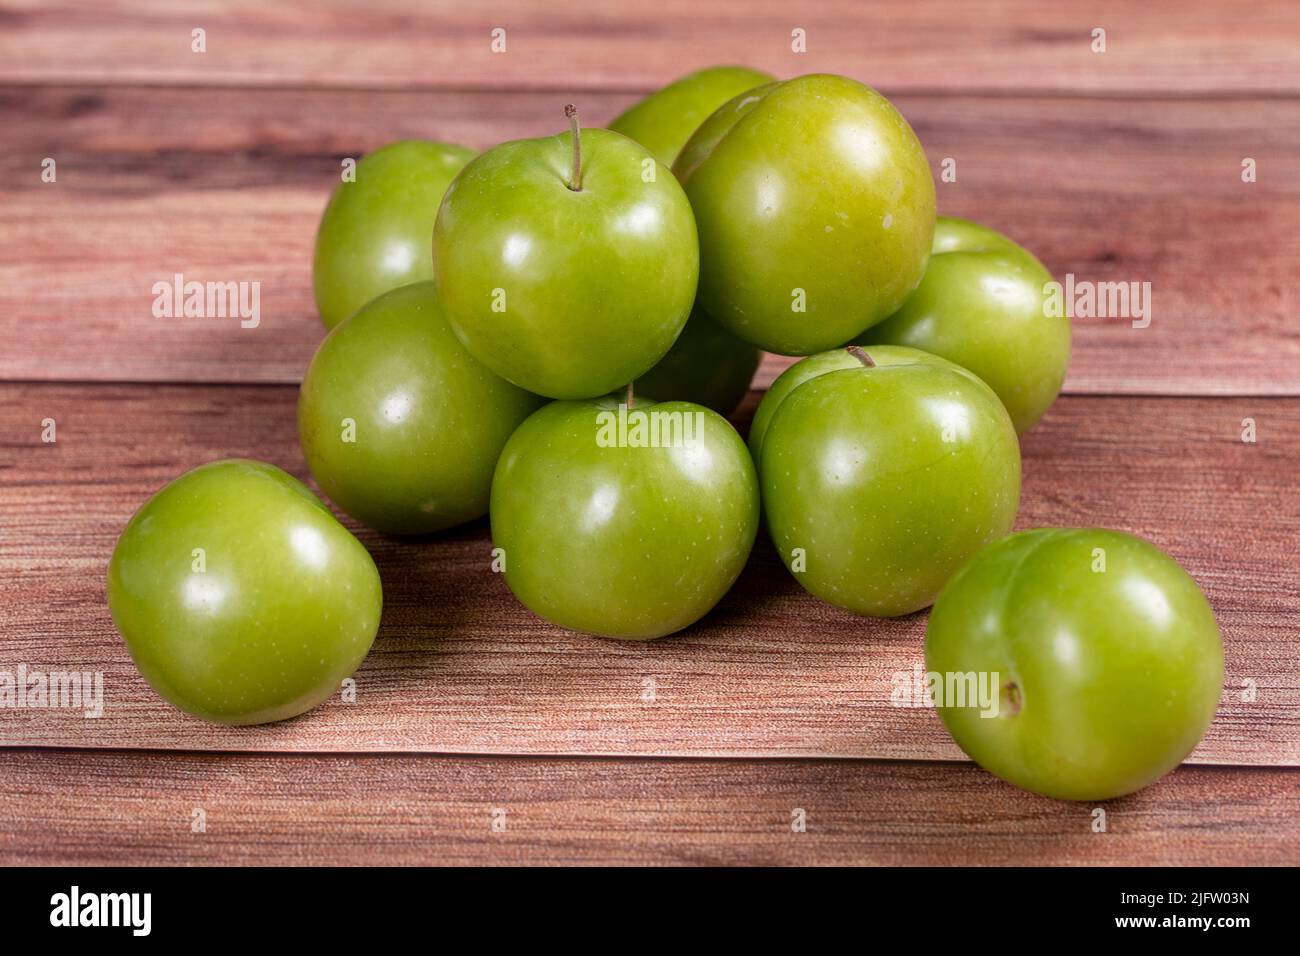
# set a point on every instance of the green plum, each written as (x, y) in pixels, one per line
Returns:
(240, 597)
(983, 304)
(665, 120)
(400, 425)
(707, 365)
(815, 209)
(627, 523)
(1108, 661)
(566, 264)
(961, 235)
(819, 364)
(879, 481)
(377, 232)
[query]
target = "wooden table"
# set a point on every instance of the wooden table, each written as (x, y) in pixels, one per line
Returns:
(1123, 165)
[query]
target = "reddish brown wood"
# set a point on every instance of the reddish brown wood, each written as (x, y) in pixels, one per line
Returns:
(460, 666)
(67, 807)
(228, 186)
(1014, 46)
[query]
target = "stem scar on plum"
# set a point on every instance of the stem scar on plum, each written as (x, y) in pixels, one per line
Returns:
(1011, 698)
(575, 183)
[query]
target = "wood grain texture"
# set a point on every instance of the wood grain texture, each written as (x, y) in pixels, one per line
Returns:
(228, 185)
(82, 808)
(460, 666)
(1011, 46)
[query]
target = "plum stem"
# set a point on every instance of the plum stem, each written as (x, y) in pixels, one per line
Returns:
(575, 183)
(859, 353)
(629, 400)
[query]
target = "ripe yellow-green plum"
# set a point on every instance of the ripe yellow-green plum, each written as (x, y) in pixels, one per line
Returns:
(377, 231)
(665, 120)
(624, 522)
(1099, 652)
(240, 597)
(983, 304)
(399, 424)
(707, 365)
(566, 265)
(819, 364)
(815, 209)
(879, 481)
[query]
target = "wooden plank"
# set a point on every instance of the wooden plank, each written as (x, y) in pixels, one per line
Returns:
(114, 808)
(229, 185)
(1013, 46)
(460, 666)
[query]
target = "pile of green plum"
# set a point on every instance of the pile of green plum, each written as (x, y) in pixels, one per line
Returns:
(553, 332)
